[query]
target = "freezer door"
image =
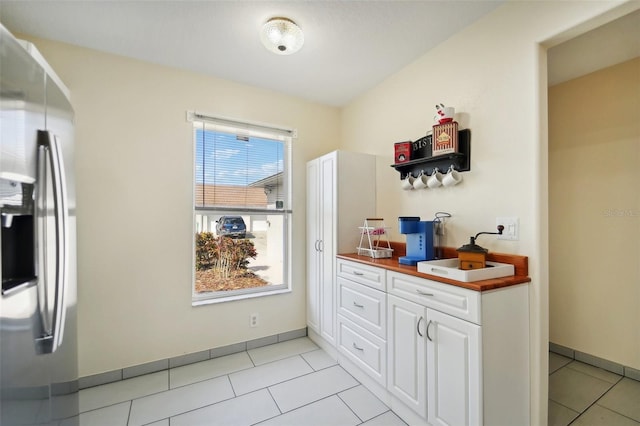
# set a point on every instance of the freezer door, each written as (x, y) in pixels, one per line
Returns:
(38, 346)
(56, 283)
(64, 360)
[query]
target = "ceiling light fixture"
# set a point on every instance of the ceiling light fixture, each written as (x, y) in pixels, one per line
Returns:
(281, 36)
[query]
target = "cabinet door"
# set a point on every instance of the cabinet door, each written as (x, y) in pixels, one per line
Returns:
(453, 370)
(327, 213)
(407, 357)
(313, 253)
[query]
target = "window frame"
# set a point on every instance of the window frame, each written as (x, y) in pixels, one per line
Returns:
(253, 129)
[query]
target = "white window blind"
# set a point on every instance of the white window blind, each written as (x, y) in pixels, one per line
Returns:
(240, 166)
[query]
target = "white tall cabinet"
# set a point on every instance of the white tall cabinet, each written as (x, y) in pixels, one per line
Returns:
(341, 193)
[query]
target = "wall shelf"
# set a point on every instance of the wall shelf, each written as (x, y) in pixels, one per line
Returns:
(460, 160)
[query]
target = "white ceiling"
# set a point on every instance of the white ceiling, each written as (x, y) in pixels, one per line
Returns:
(350, 46)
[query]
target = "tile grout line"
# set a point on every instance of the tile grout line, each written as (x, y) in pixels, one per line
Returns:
(620, 377)
(251, 358)
(275, 402)
(581, 413)
(195, 409)
(321, 399)
(228, 374)
(593, 377)
(177, 414)
(130, 409)
(568, 408)
(288, 380)
(307, 362)
(235, 394)
(348, 406)
(287, 356)
(313, 402)
(602, 396)
(575, 354)
(605, 408)
(389, 410)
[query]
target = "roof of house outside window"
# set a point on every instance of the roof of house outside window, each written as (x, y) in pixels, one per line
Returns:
(268, 182)
(230, 196)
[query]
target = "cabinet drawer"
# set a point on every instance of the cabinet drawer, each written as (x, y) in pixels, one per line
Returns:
(363, 305)
(457, 301)
(363, 274)
(364, 349)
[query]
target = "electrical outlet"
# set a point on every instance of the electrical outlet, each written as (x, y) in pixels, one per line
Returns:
(253, 320)
(511, 228)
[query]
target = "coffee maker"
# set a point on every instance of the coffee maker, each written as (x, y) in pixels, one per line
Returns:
(421, 237)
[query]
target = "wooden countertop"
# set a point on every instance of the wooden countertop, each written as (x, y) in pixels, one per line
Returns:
(521, 266)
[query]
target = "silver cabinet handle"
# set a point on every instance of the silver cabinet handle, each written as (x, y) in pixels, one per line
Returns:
(422, 293)
(320, 245)
(357, 348)
(49, 147)
(357, 305)
(429, 337)
(418, 327)
(357, 273)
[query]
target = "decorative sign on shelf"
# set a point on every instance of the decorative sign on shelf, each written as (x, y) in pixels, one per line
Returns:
(445, 138)
(422, 148)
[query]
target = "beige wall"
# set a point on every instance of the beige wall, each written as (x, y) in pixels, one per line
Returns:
(494, 74)
(594, 213)
(134, 177)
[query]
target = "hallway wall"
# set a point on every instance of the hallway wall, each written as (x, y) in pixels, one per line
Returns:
(594, 213)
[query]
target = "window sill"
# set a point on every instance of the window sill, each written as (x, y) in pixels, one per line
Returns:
(208, 300)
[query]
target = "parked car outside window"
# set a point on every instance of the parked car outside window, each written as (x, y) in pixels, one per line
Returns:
(231, 226)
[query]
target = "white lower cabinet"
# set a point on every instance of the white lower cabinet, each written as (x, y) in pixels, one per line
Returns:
(363, 348)
(449, 356)
(434, 363)
(454, 386)
(361, 314)
(407, 360)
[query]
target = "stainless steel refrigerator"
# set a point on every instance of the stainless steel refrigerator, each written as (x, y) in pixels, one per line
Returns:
(38, 339)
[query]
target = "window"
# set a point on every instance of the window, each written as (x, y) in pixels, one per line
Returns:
(242, 213)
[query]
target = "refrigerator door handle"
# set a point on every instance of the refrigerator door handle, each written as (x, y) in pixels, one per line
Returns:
(49, 147)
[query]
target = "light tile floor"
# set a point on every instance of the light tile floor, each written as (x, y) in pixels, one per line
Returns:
(581, 395)
(289, 383)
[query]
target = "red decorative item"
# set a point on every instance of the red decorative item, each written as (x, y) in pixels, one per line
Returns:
(402, 152)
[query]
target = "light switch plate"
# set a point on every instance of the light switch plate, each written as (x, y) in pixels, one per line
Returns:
(511, 228)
